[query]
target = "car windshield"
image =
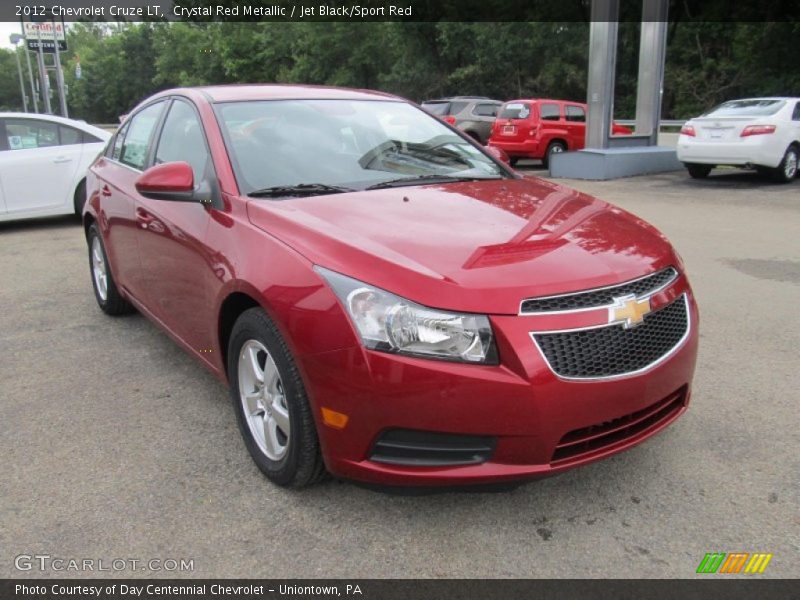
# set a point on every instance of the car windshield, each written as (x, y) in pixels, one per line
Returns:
(314, 145)
(746, 108)
(515, 110)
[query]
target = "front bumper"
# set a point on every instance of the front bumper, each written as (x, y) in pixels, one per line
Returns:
(529, 412)
(754, 150)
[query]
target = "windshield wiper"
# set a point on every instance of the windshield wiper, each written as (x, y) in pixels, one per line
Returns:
(421, 179)
(301, 189)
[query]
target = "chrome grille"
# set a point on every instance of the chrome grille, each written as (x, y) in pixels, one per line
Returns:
(599, 297)
(613, 350)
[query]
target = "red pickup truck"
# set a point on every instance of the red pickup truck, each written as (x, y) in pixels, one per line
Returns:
(539, 128)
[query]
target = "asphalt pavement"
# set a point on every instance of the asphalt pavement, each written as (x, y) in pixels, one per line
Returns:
(116, 445)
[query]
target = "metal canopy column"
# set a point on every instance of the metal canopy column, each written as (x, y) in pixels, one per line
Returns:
(602, 68)
(652, 56)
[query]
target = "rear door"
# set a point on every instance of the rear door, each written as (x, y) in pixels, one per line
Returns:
(116, 174)
(514, 122)
(36, 168)
(575, 124)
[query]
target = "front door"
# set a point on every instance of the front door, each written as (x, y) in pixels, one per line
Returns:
(177, 265)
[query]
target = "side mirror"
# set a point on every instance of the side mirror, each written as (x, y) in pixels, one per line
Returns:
(498, 154)
(167, 181)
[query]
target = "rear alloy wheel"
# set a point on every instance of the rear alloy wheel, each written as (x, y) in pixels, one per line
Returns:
(698, 171)
(271, 404)
(106, 293)
(787, 170)
(553, 148)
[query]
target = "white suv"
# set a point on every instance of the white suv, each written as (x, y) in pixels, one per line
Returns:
(760, 133)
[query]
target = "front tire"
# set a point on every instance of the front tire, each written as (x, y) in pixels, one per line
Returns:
(698, 171)
(553, 148)
(787, 170)
(271, 404)
(106, 293)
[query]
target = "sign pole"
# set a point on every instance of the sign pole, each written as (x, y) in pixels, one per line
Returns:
(30, 69)
(21, 81)
(62, 96)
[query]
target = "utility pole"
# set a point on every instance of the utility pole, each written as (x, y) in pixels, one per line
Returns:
(15, 38)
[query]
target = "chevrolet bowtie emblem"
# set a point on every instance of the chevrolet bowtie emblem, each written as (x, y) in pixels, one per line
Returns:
(628, 310)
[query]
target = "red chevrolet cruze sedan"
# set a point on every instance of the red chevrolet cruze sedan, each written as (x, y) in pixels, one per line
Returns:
(387, 300)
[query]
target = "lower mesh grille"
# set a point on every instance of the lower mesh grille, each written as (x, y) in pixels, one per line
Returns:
(580, 443)
(427, 449)
(614, 350)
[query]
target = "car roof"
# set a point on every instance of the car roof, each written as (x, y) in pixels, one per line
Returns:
(471, 98)
(545, 100)
(82, 125)
(242, 92)
(762, 98)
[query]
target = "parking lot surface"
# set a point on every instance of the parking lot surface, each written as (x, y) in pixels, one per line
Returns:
(116, 444)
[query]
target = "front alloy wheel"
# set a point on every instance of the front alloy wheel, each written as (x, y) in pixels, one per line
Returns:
(263, 400)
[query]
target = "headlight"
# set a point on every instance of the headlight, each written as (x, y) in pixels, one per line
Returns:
(390, 323)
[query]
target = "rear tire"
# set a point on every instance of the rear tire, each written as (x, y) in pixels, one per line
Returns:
(513, 162)
(106, 293)
(271, 404)
(553, 148)
(787, 170)
(698, 171)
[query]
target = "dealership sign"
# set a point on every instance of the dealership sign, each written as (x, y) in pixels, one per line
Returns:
(45, 35)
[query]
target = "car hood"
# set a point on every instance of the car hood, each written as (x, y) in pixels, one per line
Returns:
(474, 246)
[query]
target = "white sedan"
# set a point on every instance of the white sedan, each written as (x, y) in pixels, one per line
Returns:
(760, 133)
(43, 162)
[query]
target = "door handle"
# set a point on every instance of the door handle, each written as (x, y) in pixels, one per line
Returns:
(106, 191)
(144, 217)
(62, 159)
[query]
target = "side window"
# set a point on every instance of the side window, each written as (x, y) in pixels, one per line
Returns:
(457, 107)
(575, 114)
(549, 112)
(24, 134)
(137, 138)
(796, 113)
(486, 110)
(182, 139)
(116, 148)
(69, 135)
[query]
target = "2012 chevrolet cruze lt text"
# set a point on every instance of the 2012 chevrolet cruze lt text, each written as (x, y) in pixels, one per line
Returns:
(387, 300)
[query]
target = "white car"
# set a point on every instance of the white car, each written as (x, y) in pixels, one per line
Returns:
(43, 163)
(760, 133)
